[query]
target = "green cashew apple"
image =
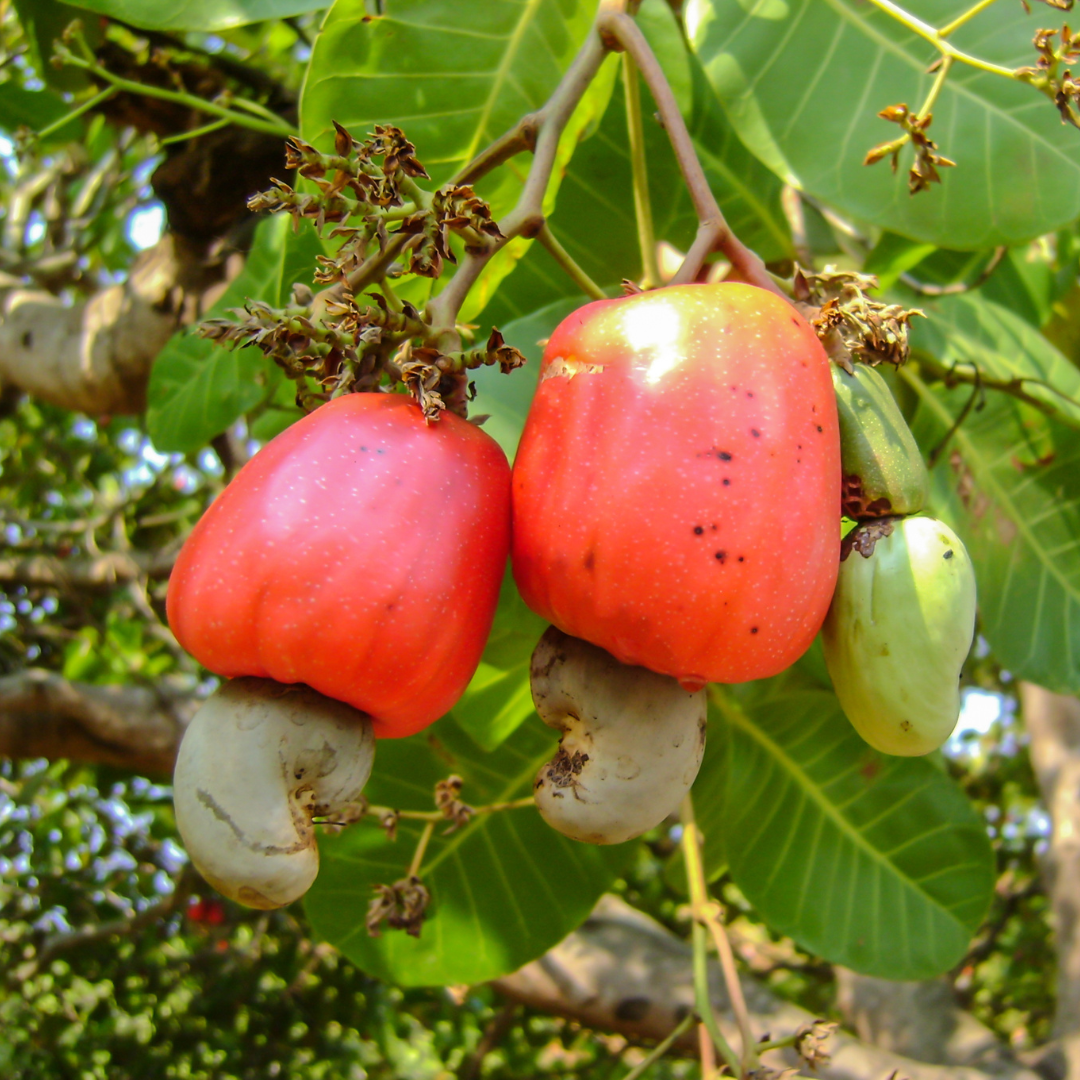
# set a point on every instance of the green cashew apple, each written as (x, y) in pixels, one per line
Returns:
(898, 632)
(883, 470)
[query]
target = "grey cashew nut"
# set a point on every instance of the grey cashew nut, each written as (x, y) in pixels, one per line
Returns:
(257, 763)
(631, 745)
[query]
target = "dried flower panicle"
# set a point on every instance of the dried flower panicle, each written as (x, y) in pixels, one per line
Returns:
(402, 906)
(1051, 73)
(924, 171)
(447, 800)
(852, 327)
(810, 1042)
(339, 343)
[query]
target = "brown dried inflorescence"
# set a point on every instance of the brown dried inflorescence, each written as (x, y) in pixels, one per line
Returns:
(851, 325)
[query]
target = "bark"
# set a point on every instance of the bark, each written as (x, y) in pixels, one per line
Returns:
(623, 972)
(95, 356)
(1053, 724)
(920, 1020)
(130, 727)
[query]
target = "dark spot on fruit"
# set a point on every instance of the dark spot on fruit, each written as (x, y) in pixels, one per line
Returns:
(713, 527)
(948, 554)
(390, 607)
(720, 556)
(799, 447)
(798, 461)
(742, 558)
(813, 408)
(698, 530)
(723, 455)
(754, 431)
(749, 393)
(727, 482)
(590, 560)
(753, 629)
(820, 428)
(734, 388)
(28, 339)
(804, 363)
(885, 649)
(363, 449)
(794, 321)
(905, 725)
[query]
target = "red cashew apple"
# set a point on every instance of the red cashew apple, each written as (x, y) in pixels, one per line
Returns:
(677, 489)
(360, 552)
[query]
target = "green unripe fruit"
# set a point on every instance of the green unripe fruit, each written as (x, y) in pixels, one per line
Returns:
(883, 470)
(899, 630)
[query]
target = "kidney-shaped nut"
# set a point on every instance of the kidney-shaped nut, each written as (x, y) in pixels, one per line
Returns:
(631, 745)
(257, 763)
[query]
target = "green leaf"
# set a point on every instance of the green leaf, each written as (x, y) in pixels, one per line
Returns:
(454, 77)
(1009, 484)
(875, 862)
(207, 16)
(35, 109)
(197, 389)
(968, 332)
(803, 81)
(504, 888)
(498, 698)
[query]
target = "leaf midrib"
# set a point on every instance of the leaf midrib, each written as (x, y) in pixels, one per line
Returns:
(733, 714)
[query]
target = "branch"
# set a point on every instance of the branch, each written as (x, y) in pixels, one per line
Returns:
(130, 727)
(713, 231)
(94, 357)
(92, 574)
(623, 972)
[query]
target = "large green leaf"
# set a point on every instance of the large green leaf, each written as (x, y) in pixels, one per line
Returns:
(968, 332)
(198, 389)
(1009, 484)
(504, 888)
(207, 16)
(453, 76)
(803, 81)
(499, 698)
(876, 862)
(594, 216)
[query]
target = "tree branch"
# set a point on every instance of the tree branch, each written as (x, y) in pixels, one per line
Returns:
(623, 972)
(88, 575)
(95, 357)
(130, 727)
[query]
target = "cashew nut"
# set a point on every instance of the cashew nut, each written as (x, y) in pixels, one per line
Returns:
(631, 745)
(257, 763)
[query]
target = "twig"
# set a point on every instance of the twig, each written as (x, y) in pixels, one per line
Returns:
(650, 268)
(191, 101)
(695, 876)
(75, 113)
(713, 231)
(566, 261)
(421, 849)
(661, 1048)
(937, 37)
(956, 287)
(497, 1029)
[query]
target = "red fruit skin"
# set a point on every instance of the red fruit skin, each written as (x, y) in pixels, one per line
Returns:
(360, 552)
(677, 487)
